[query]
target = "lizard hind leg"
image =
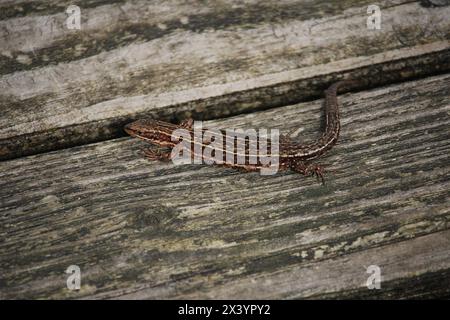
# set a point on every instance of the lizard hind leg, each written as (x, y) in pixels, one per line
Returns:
(308, 168)
(318, 171)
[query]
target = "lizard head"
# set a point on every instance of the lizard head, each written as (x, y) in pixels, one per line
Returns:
(153, 131)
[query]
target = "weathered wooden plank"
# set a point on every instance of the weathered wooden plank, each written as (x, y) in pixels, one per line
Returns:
(44, 38)
(333, 275)
(155, 230)
(62, 88)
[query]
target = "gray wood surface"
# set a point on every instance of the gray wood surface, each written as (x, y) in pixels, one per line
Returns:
(206, 59)
(141, 229)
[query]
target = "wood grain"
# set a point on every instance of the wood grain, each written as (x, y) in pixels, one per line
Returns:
(208, 59)
(141, 229)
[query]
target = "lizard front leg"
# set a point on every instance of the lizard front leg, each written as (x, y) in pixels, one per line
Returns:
(157, 154)
(187, 123)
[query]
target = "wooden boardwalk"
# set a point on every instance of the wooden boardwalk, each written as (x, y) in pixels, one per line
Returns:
(75, 190)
